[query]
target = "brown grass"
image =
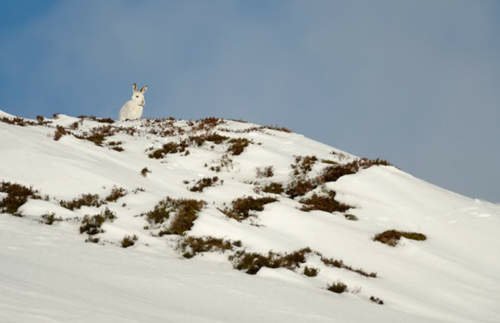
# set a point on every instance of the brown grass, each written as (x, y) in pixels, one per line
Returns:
(83, 200)
(311, 271)
(264, 172)
(184, 211)
(324, 203)
(340, 264)
(237, 146)
(204, 183)
(128, 241)
(169, 148)
(191, 246)
(60, 131)
(251, 263)
(210, 137)
(275, 188)
(303, 165)
(116, 193)
(241, 207)
(17, 195)
(49, 219)
(392, 237)
(300, 187)
(91, 224)
(338, 287)
(16, 121)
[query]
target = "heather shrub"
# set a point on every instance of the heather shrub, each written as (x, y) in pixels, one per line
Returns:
(84, 200)
(338, 287)
(251, 263)
(275, 188)
(17, 195)
(310, 271)
(241, 207)
(191, 246)
(325, 203)
(116, 193)
(263, 172)
(49, 218)
(392, 237)
(237, 146)
(128, 241)
(204, 183)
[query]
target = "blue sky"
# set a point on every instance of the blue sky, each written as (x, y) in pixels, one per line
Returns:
(414, 82)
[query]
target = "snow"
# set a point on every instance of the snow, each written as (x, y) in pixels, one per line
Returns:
(48, 273)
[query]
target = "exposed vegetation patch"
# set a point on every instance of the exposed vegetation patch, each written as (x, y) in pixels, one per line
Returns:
(97, 135)
(17, 121)
(300, 187)
(210, 137)
(303, 165)
(183, 211)
(376, 300)
(60, 131)
(116, 145)
(241, 207)
(204, 183)
(145, 171)
(275, 188)
(128, 241)
(191, 246)
(311, 271)
(116, 193)
(225, 162)
(97, 119)
(392, 237)
(340, 264)
(337, 287)
(333, 173)
(264, 172)
(237, 146)
(169, 148)
(251, 263)
(49, 218)
(325, 203)
(17, 195)
(91, 224)
(206, 123)
(92, 200)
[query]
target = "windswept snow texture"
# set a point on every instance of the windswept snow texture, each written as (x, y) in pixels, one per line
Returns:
(49, 274)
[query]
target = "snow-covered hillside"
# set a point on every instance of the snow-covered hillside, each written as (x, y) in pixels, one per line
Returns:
(226, 221)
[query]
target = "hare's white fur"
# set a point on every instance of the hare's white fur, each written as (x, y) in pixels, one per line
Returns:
(132, 109)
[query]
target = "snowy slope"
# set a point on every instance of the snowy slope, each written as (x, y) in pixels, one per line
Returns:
(49, 274)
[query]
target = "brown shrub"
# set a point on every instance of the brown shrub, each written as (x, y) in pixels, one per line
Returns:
(49, 219)
(324, 203)
(265, 172)
(237, 146)
(241, 207)
(310, 271)
(253, 262)
(129, 241)
(97, 135)
(340, 264)
(204, 183)
(116, 193)
(275, 188)
(392, 237)
(303, 165)
(17, 121)
(206, 123)
(17, 195)
(300, 187)
(338, 287)
(169, 148)
(211, 137)
(92, 224)
(145, 171)
(60, 131)
(190, 246)
(185, 212)
(333, 173)
(83, 200)
(376, 300)
(94, 118)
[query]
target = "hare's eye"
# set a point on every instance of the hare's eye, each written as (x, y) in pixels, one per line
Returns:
(136, 96)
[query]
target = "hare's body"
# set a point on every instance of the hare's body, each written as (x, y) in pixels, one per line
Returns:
(132, 109)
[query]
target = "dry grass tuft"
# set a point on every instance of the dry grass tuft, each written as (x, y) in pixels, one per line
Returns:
(251, 263)
(204, 183)
(241, 207)
(338, 287)
(191, 246)
(392, 237)
(17, 195)
(83, 200)
(324, 203)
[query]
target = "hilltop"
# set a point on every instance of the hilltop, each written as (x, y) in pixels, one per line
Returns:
(216, 220)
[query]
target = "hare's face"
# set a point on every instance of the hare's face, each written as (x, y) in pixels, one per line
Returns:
(138, 95)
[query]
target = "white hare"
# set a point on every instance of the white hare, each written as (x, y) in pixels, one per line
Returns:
(132, 109)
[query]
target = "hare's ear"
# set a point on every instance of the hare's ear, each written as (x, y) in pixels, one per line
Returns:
(134, 87)
(144, 89)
